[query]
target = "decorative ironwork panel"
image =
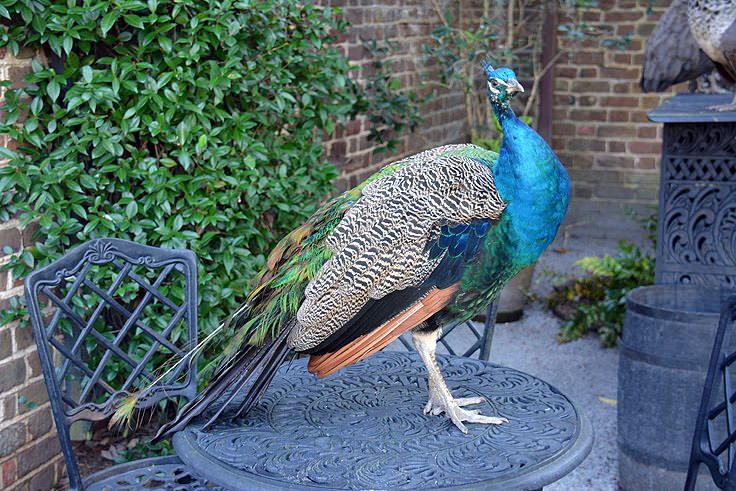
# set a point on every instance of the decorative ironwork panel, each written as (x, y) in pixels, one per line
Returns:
(696, 236)
(363, 428)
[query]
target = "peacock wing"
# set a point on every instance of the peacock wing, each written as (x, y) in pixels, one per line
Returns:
(672, 54)
(384, 250)
(728, 47)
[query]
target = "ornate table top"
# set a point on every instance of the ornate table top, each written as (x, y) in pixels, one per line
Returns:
(363, 427)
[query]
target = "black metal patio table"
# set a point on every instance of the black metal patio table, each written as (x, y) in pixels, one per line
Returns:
(363, 428)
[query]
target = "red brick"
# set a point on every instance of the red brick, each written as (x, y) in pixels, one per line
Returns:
(587, 100)
(622, 15)
(16, 74)
(620, 131)
(588, 58)
(10, 237)
(646, 163)
(559, 128)
(586, 144)
(645, 30)
(40, 422)
(639, 117)
(23, 337)
(613, 161)
(580, 86)
(620, 101)
(642, 147)
(9, 404)
(616, 146)
(618, 116)
(589, 72)
(623, 58)
(36, 455)
(567, 72)
(6, 344)
(622, 88)
(10, 473)
(12, 438)
(647, 132)
(587, 115)
(585, 130)
(43, 479)
(12, 374)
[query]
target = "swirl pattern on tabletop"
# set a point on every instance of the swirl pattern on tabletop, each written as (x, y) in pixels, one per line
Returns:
(363, 427)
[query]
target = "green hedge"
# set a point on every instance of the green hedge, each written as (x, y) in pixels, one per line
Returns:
(183, 124)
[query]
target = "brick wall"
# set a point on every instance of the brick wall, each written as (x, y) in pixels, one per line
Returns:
(29, 448)
(600, 128)
(407, 23)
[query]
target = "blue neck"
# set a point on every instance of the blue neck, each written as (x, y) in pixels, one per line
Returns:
(533, 182)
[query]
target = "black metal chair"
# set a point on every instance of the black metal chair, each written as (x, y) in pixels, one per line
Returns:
(714, 441)
(111, 302)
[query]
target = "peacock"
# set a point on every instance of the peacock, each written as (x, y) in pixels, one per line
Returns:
(425, 240)
(691, 39)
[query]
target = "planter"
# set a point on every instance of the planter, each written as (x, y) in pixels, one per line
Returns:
(512, 299)
(665, 347)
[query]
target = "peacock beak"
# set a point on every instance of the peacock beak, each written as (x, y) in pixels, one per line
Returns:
(514, 86)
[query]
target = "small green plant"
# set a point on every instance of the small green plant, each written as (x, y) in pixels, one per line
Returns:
(143, 450)
(599, 298)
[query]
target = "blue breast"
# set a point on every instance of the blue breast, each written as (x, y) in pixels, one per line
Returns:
(531, 179)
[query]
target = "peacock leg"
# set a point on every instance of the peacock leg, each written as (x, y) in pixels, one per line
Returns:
(440, 398)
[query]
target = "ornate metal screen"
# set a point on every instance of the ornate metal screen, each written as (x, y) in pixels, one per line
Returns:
(696, 236)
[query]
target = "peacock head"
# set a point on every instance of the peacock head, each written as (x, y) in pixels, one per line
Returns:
(502, 84)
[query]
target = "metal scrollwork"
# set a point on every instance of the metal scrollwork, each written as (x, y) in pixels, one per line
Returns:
(697, 216)
(364, 428)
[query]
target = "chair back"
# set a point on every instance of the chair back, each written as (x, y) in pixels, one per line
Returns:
(106, 317)
(714, 440)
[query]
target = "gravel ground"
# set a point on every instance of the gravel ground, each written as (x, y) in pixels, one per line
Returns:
(583, 370)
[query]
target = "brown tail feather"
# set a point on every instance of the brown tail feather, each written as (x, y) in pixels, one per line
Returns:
(381, 337)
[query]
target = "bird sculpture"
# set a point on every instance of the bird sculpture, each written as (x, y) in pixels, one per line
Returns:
(427, 239)
(691, 39)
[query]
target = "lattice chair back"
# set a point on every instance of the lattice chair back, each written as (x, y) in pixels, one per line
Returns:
(714, 441)
(464, 338)
(106, 317)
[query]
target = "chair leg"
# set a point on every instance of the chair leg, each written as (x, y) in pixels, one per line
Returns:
(692, 475)
(489, 328)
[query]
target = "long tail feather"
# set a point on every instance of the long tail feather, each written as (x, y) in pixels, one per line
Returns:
(259, 362)
(267, 356)
(126, 406)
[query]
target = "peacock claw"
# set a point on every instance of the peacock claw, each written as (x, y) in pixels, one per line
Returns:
(724, 107)
(453, 409)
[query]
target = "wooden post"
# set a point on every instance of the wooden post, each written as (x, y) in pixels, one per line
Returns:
(546, 88)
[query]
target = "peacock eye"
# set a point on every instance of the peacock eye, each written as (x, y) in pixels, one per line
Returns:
(494, 82)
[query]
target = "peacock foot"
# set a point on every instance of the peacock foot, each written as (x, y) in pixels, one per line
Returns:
(724, 107)
(453, 408)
